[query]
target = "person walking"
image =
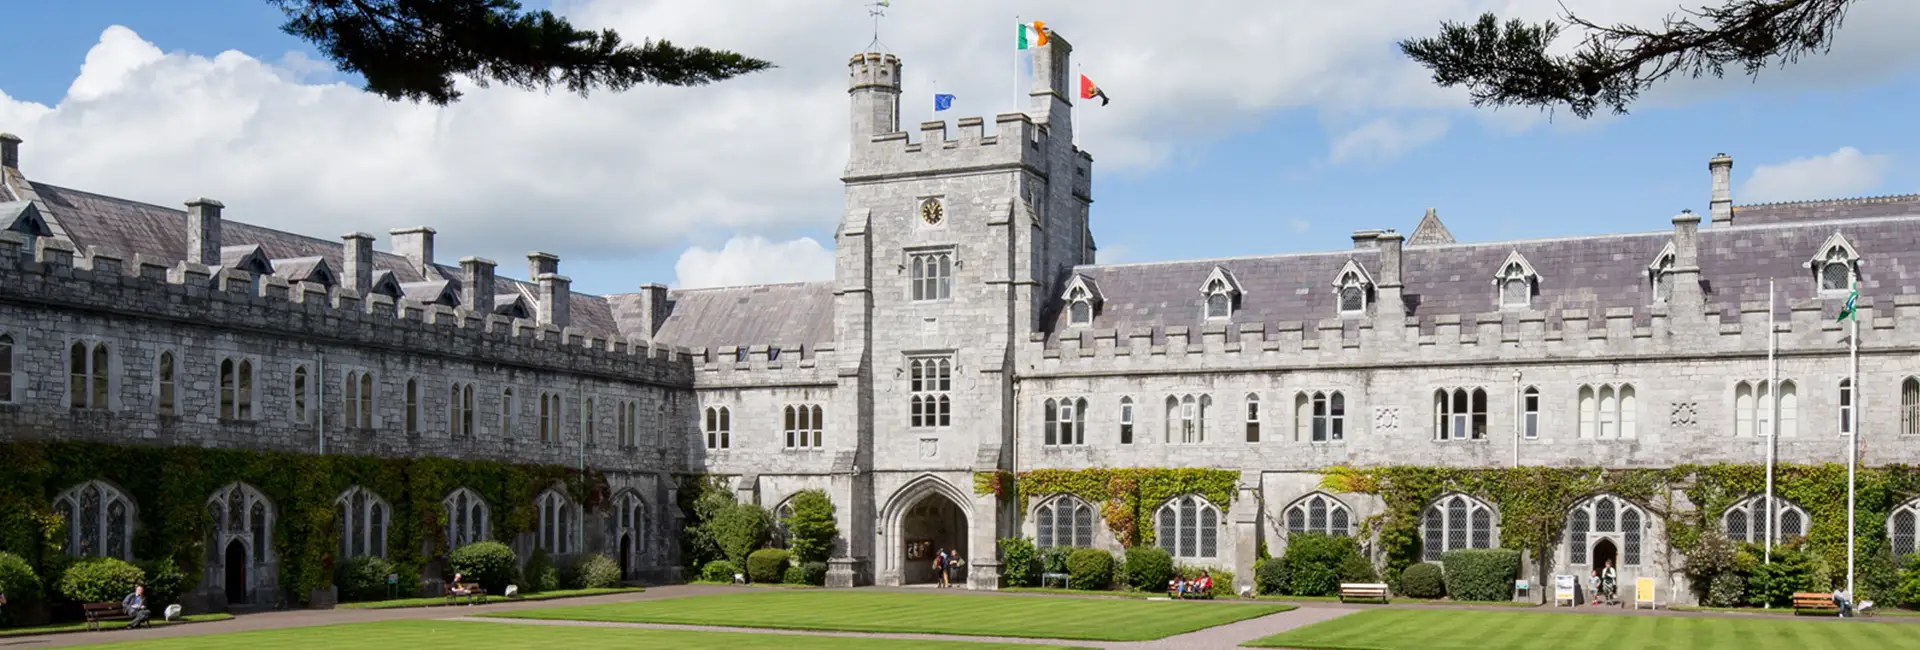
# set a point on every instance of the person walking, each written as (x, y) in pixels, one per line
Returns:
(940, 567)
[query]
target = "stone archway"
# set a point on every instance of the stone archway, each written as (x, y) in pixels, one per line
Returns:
(924, 516)
(235, 560)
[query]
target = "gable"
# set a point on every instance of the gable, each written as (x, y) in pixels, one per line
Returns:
(23, 218)
(1430, 232)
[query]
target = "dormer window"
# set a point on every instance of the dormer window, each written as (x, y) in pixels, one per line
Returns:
(1835, 265)
(1515, 283)
(1351, 288)
(1660, 275)
(1221, 292)
(1083, 300)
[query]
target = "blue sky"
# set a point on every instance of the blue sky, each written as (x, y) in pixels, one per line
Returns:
(1271, 181)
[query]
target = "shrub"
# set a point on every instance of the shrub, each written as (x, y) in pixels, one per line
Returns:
(741, 528)
(807, 573)
(18, 582)
(1054, 559)
(1906, 592)
(1149, 568)
(1879, 577)
(101, 579)
(363, 578)
(165, 583)
(1422, 580)
(1713, 556)
(1314, 563)
(767, 565)
(489, 563)
(1774, 583)
(598, 572)
(719, 571)
(1090, 569)
(1020, 564)
(1481, 574)
(810, 531)
(1272, 577)
(540, 574)
(1356, 568)
(1727, 590)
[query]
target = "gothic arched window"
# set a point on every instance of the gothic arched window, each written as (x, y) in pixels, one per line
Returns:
(1188, 527)
(99, 520)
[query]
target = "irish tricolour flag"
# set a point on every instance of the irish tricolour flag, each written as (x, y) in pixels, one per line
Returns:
(1033, 34)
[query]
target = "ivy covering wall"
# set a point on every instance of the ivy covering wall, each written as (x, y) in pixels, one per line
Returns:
(1533, 502)
(1126, 496)
(170, 487)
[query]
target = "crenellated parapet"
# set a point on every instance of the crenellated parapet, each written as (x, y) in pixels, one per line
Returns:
(1013, 140)
(762, 366)
(56, 276)
(1807, 327)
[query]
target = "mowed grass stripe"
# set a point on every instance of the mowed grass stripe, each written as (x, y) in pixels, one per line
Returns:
(1411, 629)
(954, 614)
(453, 635)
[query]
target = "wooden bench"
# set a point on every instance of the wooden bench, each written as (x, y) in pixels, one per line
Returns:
(1363, 591)
(1814, 602)
(473, 590)
(98, 612)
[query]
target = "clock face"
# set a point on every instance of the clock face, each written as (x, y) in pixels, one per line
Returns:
(931, 212)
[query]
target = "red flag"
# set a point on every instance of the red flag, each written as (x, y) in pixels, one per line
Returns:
(1089, 91)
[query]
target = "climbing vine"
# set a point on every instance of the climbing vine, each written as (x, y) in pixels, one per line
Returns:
(1122, 493)
(170, 487)
(1533, 502)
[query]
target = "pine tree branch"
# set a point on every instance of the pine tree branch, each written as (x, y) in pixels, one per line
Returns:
(1506, 65)
(413, 49)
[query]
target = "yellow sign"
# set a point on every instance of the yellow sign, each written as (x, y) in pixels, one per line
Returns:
(1642, 592)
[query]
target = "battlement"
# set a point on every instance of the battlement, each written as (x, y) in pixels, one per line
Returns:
(102, 281)
(1013, 140)
(1805, 327)
(761, 366)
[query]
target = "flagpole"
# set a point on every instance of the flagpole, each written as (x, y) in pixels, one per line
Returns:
(1016, 67)
(1853, 440)
(1773, 418)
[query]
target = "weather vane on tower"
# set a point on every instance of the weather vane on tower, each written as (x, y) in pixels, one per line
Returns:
(878, 9)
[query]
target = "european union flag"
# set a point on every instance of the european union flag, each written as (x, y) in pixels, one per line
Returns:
(942, 102)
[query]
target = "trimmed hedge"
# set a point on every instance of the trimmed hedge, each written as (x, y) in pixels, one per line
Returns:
(1149, 568)
(719, 571)
(1020, 562)
(768, 565)
(1090, 569)
(807, 573)
(18, 582)
(1315, 564)
(1481, 574)
(597, 572)
(1271, 577)
(1423, 580)
(489, 563)
(99, 580)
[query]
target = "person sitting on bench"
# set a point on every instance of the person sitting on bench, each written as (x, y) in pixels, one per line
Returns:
(1844, 601)
(135, 605)
(1204, 585)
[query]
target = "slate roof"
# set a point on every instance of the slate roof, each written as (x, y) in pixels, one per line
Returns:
(302, 269)
(130, 227)
(1859, 208)
(786, 315)
(1593, 273)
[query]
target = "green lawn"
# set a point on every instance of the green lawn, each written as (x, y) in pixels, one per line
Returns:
(459, 635)
(1092, 619)
(82, 626)
(1421, 629)
(491, 598)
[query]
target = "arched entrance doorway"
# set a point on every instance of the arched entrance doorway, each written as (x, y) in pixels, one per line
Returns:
(236, 565)
(932, 524)
(1606, 555)
(626, 557)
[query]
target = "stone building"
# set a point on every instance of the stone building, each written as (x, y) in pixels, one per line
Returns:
(968, 330)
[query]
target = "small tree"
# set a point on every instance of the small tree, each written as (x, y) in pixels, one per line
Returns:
(811, 528)
(739, 529)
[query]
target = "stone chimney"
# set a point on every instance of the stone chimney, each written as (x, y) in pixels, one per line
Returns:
(1686, 300)
(415, 244)
(1389, 304)
(653, 308)
(1366, 238)
(539, 264)
(9, 151)
(1722, 207)
(476, 284)
(358, 260)
(554, 298)
(203, 231)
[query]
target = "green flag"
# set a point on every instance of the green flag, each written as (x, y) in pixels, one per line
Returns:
(1847, 312)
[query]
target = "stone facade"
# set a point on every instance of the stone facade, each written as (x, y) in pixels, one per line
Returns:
(966, 309)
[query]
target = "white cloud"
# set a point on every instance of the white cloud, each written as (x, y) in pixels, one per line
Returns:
(621, 175)
(1385, 138)
(1111, 254)
(1843, 173)
(1299, 225)
(754, 260)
